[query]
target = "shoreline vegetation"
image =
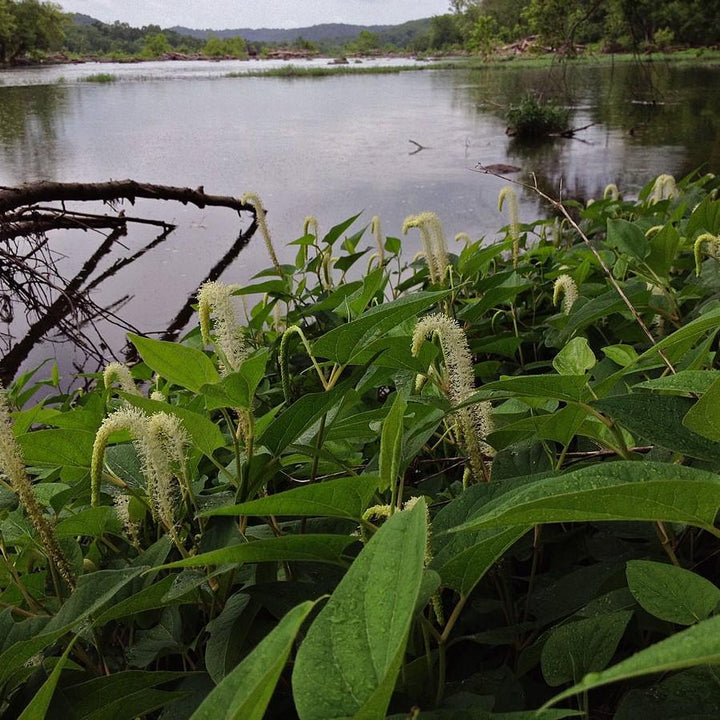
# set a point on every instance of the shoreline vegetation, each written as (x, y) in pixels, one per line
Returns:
(504, 451)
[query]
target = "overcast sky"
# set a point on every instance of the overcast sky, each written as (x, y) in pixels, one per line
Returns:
(221, 14)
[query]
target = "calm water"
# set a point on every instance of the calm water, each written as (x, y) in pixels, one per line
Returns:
(329, 146)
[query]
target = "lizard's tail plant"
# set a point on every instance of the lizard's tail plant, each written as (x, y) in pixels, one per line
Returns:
(214, 301)
(566, 288)
(162, 448)
(376, 229)
(255, 201)
(12, 466)
(663, 189)
(611, 192)
(119, 372)
(712, 249)
(474, 422)
(507, 193)
(129, 419)
(433, 243)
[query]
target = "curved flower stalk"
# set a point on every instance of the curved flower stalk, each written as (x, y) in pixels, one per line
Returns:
(474, 422)
(132, 528)
(162, 448)
(376, 230)
(712, 249)
(507, 193)
(433, 243)
(325, 269)
(566, 288)
(278, 318)
(463, 237)
(611, 192)
(161, 442)
(214, 300)
(121, 373)
(255, 201)
(311, 226)
(12, 466)
(127, 418)
(663, 189)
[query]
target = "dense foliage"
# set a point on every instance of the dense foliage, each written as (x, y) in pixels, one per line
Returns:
(472, 484)
(28, 27)
(609, 24)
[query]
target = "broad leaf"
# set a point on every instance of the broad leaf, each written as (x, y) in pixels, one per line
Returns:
(345, 497)
(576, 358)
(582, 646)
(703, 417)
(671, 593)
(391, 442)
(245, 693)
(179, 364)
(608, 491)
(698, 645)
(343, 343)
(290, 548)
(56, 448)
(655, 418)
(349, 661)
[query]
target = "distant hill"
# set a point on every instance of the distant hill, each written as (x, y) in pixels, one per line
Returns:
(327, 32)
(91, 35)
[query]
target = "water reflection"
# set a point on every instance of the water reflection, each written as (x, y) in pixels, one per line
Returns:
(29, 128)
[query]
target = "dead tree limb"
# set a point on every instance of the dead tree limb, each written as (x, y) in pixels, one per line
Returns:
(12, 198)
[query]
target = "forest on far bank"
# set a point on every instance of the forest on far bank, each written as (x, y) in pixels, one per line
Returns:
(30, 30)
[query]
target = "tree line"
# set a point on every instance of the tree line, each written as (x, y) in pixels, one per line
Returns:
(611, 25)
(32, 28)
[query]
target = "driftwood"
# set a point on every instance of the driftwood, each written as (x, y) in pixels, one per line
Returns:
(12, 198)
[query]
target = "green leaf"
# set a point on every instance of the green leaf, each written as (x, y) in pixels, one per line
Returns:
(391, 442)
(345, 497)
(703, 417)
(582, 646)
(204, 433)
(554, 387)
(627, 238)
(671, 593)
(622, 490)
(623, 355)
(238, 388)
(290, 548)
(38, 706)
(120, 696)
(463, 558)
(226, 633)
(92, 593)
(335, 232)
(655, 418)
(576, 358)
(179, 364)
(685, 382)
(287, 427)
(349, 661)
(244, 694)
(90, 522)
(343, 343)
(56, 448)
(148, 598)
(698, 645)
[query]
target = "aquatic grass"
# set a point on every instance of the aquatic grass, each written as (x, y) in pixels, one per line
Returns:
(300, 71)
(99, 78)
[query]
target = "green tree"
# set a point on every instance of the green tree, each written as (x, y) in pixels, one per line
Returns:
(156, 44)
(29, 28)
(7, 29)
(561, 23)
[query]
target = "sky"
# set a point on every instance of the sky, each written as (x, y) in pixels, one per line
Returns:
(225, 14)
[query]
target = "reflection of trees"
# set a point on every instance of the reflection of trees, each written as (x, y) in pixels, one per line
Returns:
(28, 128)
(61, 309)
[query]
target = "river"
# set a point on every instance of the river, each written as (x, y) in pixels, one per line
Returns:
(328, 146)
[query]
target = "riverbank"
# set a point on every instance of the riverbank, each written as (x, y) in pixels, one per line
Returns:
(449, 60)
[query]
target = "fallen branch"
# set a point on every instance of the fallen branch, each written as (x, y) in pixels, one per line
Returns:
(12, 198)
